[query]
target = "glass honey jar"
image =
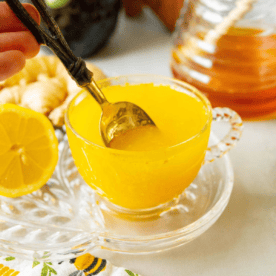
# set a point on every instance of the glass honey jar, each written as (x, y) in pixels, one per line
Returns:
(227, 49)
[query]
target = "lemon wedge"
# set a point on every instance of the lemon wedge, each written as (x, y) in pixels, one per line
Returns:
(28, 150)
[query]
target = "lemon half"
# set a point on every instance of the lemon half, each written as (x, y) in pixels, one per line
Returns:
(28, 150)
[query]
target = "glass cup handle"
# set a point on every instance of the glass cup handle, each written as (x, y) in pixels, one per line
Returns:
(223, 114)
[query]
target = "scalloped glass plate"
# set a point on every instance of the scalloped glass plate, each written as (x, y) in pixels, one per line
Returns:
(64, 218)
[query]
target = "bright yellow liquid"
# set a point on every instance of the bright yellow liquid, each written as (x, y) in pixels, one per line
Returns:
(142, 138)
(151, 166)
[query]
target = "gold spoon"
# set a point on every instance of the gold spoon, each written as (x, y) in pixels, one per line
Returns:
(117, 118)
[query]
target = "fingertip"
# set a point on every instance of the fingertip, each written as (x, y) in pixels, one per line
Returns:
(9, 21)
(22, 41)
(132, 8)
(11, 62)
(31, 9)
(34, 50)
(30, 46)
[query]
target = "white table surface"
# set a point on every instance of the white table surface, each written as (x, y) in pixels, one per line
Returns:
(243, 240)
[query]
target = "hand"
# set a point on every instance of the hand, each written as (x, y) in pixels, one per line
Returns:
(16, 43)
(167, 11)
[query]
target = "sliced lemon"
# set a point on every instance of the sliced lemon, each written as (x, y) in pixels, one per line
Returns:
(28, 150)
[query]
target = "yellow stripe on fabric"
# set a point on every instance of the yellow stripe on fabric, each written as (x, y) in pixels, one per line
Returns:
(9, 272)
(4, 270)
(95, 267)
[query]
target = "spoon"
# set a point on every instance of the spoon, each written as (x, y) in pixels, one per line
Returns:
(117, 118)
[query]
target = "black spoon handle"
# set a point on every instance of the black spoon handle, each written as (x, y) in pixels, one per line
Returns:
(53, 39)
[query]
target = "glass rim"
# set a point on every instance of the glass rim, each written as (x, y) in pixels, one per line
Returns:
(180, 83)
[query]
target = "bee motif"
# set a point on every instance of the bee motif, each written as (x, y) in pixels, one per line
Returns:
(88, 264)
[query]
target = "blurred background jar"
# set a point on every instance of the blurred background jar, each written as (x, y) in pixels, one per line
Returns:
(229, 54)
(87, 25)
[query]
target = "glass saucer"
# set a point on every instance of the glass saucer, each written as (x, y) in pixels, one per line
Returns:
(64, 218)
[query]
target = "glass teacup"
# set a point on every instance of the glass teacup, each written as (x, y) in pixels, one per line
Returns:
(145, 183)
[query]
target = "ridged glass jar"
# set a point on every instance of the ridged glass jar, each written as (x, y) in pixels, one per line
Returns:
(227, 49)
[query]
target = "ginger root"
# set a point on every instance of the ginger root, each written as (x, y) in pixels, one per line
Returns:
(57, 115)
(12, 94)
(44, 95)
(29, 73)
(45, 86)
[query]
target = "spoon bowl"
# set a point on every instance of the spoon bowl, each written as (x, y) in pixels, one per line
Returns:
(119, 117)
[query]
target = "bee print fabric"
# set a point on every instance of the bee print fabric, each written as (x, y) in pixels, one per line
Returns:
(83, 265)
